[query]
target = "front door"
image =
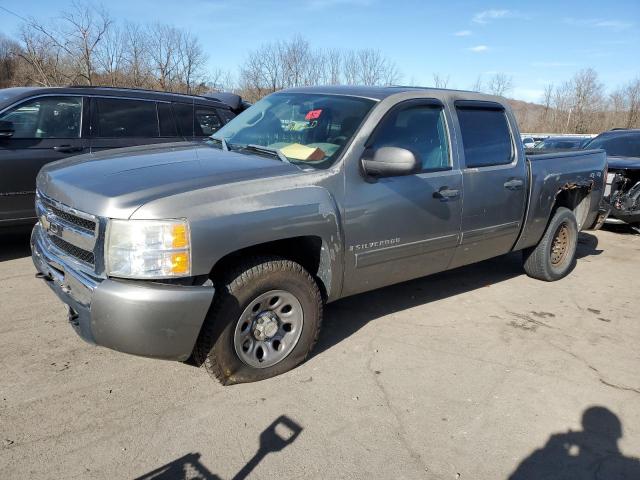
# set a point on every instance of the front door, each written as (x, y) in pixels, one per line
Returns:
(404, 227)
(44, 129)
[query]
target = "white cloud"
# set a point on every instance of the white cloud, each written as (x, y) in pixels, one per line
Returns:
(479, 48)
(463, 33)
(487, 15)
(599, 23)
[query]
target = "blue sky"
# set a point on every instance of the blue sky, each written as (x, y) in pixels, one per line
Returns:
(536, 43)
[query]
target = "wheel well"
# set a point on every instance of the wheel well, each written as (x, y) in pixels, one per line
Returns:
(577, 199)
(304, 250)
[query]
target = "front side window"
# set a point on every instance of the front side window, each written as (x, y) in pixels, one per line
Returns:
(121, 118)
(207, 122)
(420, 129)
(486, 137)
(309, 129)
(46, 117)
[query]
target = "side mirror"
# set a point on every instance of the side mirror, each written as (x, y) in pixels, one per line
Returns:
(6, 129)
(389, 162)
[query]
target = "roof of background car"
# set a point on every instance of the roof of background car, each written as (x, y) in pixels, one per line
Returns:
(113, 92)
(380, 93)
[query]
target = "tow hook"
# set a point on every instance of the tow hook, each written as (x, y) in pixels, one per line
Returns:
(44, 276)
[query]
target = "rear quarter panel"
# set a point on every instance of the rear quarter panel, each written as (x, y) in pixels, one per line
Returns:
(551, 173)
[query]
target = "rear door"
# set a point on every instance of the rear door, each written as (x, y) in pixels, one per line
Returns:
(45, 129)
(494, 179)
(123, 122)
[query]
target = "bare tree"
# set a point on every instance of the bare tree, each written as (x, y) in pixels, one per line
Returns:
(164, 45)
(76, 37)
(9, 57)
(111, 56)
(500, 84)
(632, 103)
(191, 61)
(478, 85)
(136, 55)
(440, 81)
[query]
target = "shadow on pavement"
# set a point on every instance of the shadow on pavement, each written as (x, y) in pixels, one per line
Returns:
(14, 243)
(591, 453)
(277, 436)
(345, 317)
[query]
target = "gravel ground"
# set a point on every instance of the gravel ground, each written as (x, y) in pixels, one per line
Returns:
(478, 373)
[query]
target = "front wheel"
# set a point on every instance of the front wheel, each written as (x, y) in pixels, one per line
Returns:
(554, 256)
(264, 321)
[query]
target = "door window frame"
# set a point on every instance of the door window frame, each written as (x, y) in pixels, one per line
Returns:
(411, 103)
(486, 105)
(95, 134)
(81, 129)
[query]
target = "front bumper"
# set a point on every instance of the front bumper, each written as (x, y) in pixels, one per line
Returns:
(138, 317)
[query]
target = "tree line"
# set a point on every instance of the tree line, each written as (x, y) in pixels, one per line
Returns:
(85, 46)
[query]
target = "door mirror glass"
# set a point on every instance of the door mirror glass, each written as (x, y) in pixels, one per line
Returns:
(389, 162)
(6, 129)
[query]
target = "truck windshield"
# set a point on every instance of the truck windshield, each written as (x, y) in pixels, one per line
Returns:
(623, 145)
(308, 129)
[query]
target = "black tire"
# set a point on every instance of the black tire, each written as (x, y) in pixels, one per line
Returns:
(555, 255)
(234, 293)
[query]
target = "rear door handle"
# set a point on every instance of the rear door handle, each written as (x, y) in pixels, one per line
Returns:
(68, 148)
(513, 184)
(445, 193)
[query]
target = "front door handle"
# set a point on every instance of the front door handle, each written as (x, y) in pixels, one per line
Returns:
(68, 148)
(513, 184)
(445, 193)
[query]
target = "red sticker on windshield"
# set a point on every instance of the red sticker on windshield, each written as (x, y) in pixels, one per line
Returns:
(313, 114)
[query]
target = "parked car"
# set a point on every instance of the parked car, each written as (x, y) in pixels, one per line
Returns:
(226, 251)
(623, 181)
(530, 141)
(562, 143)
(41, 125)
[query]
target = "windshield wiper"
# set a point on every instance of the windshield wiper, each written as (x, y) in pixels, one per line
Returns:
(223, 143)
(274, 152)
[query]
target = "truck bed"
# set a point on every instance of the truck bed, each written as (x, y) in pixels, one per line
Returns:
(550, 173)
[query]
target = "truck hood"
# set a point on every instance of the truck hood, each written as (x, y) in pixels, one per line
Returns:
(115, 183)
(621, 163)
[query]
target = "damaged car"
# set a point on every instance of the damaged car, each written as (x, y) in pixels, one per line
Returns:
(623, 180)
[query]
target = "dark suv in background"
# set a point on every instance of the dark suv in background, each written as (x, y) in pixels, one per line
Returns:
(41, 125)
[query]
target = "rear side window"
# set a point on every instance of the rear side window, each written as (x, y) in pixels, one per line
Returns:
(165, 119)
(420, 129)
(486, 137)
(126, 118)
(46, 117)
(184, 118)
(207, 122)
(226, 115)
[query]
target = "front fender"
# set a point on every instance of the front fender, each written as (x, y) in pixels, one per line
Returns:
(226, 225)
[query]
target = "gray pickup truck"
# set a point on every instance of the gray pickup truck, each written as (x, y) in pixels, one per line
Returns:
(225, 252)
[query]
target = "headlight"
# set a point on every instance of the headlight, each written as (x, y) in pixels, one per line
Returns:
(148, 249)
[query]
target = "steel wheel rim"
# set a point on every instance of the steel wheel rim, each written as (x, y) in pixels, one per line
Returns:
(268, 329)
(560, 244)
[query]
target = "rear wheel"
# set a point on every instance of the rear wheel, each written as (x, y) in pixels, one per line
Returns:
(554, 256)
(265, 320)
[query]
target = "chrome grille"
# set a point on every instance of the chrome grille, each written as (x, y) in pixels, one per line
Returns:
(79, 253)
(70, 231)
(73, 219)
